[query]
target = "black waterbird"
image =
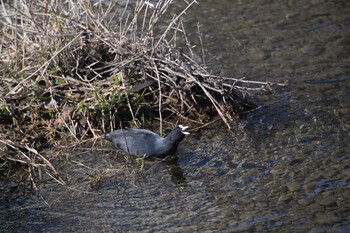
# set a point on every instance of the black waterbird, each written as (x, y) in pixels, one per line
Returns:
(145, 143)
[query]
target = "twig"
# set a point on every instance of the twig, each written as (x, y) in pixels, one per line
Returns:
(45, 64)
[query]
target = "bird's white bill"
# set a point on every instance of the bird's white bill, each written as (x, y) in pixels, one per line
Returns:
(183, 128)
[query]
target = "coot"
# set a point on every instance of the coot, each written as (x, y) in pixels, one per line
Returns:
(141, 142)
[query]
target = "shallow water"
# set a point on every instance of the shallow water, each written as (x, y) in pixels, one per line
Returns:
(290, 172)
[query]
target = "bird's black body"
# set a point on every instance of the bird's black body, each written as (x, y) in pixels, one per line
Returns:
(141, 142)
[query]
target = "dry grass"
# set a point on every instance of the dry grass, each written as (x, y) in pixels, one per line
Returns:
(73, 71)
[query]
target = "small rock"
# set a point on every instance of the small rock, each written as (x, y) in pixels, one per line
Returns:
(310, 187)
(327, 219)
(346, 171)
(327, 201)
(244, 227)
(285, 199)
(293, 186)
(304, 202)
(318, 230)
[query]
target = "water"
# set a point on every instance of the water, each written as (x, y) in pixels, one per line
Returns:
(290, 172)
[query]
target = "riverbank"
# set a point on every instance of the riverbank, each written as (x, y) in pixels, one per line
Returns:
(73, 72)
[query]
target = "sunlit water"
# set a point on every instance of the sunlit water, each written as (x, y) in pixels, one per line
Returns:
(290, 172)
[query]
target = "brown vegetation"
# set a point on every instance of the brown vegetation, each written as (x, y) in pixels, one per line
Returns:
(76, 70)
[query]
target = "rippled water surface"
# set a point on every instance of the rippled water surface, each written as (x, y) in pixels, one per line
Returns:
(290, 172)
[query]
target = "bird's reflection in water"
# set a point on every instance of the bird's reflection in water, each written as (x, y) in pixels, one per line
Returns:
(177, 175)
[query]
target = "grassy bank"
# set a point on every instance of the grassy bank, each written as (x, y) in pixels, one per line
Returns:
(75, 71)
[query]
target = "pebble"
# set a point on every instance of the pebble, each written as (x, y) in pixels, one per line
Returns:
(284, 199)
(318, 230)
(243, 227)
(304, 201)
(293, 186)
(327, 201)
(310, 187)
(327, 219)
(346, 171)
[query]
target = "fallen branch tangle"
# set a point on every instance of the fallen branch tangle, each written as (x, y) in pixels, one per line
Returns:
(196, 89)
